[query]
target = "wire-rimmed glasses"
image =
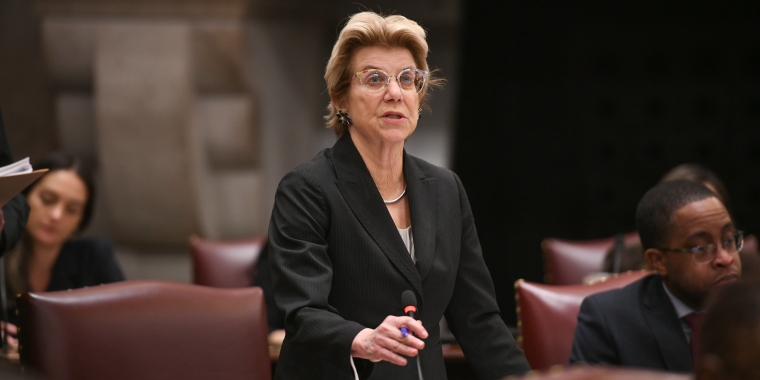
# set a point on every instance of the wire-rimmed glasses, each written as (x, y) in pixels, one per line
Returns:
(707, 252)
(375, 81)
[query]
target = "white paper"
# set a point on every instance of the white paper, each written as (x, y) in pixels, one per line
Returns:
(18, 167)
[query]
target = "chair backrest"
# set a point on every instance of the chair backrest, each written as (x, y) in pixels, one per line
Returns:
(547, 316)
(751, 245)
(225, 264)
(145, 330)
(568, 261)
(605, 373)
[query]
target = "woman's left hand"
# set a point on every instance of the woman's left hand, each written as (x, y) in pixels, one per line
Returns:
(386, 342)
(10, 332)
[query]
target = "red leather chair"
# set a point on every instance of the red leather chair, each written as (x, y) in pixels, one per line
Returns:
(568, 261)
(604, 373)
(547, 316)
(751, 245)
(225, 264)
(145, 330)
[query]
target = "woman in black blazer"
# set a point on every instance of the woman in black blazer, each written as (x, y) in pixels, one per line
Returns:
(363, 222)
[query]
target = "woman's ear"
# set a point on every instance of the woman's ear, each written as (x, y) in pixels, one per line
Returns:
(338, 104)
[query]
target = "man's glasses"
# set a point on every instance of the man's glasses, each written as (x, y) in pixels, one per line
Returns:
(375, 81)
(707, 252)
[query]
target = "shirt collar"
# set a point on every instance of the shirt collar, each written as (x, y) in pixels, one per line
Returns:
(681, 308)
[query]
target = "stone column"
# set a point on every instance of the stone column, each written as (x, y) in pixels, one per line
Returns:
(145, 115)
(159, 85)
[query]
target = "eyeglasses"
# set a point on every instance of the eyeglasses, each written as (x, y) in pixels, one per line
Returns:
(707, 252)
(375, 81)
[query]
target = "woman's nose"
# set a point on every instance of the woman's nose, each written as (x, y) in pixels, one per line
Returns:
(56, 212)
(394, 89)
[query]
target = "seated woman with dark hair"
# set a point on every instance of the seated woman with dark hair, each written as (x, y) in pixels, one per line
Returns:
(47, 258)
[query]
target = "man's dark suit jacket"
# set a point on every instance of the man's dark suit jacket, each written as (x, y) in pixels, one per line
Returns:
(16, 211)
(636, 326)
(339, 266)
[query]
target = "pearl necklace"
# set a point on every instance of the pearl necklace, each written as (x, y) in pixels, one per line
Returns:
(397, 199)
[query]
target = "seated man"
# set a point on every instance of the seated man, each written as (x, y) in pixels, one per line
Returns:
(691, 243)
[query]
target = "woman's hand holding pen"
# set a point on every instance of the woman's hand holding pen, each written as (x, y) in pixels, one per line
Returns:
(387, 342)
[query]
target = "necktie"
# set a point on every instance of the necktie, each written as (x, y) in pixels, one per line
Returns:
(694, 320)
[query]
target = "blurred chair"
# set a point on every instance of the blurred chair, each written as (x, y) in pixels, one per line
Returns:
(547, 316)
(225, 264)
(603, 373)
(751, 245)
(569, 261)
(145, 330)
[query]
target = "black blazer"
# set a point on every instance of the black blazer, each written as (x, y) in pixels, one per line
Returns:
(635, 326)
(339, 265)
(82, 262)
(263, 279)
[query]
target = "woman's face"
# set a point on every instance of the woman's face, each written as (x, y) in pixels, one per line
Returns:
(57, 204)
(390, 115)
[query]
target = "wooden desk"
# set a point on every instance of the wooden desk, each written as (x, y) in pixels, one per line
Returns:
(457, 367)
(451, 352)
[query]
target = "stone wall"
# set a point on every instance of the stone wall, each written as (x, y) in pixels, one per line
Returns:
(192, 110)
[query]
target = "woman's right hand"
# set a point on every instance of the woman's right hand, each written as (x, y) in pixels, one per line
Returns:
(10, 331)
(386, 342)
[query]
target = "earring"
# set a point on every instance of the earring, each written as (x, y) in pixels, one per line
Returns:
(343, 118)
(420, 114)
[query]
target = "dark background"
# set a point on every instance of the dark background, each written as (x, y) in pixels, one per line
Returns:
(570, 111)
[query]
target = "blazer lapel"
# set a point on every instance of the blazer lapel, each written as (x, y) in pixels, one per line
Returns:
(360, 193)
(662, 319)
(422, 203)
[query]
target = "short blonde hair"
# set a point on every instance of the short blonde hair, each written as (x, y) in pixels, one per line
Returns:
(370, 29)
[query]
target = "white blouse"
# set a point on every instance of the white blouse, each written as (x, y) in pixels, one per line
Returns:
(406, 236)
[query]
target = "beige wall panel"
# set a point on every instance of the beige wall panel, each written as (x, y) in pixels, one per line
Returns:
(286, 63)
(145, 119)
(69, 47)
(228, 130)
(238, 204)
(218, 56)
(76, 124)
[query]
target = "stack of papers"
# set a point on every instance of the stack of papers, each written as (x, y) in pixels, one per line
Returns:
(18, 167)
(15, 177)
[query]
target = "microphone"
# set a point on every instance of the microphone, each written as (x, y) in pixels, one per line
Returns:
(409, 300)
